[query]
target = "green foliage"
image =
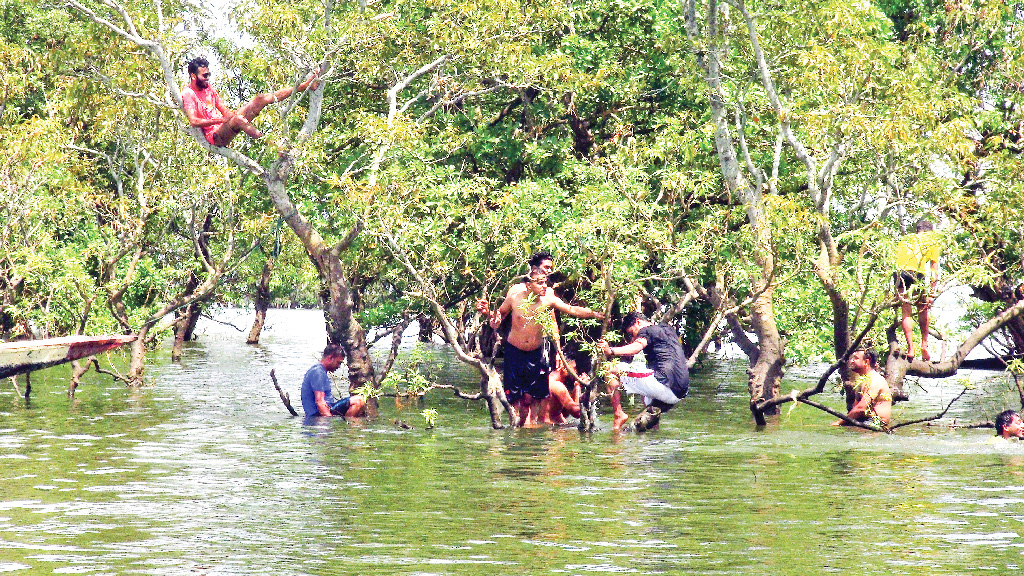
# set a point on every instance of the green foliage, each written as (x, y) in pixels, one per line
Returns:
(429, 418)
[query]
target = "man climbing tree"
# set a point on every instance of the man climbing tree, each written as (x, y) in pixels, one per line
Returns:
(220, 124)
(917, 260)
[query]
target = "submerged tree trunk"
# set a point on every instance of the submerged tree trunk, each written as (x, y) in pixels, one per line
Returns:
(262, 300)
(137, 362)
(185, 327)
(426, 324)
(336, 295)
(766, 365)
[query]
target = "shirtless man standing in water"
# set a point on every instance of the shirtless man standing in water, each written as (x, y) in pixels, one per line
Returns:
(525, 370)
(874, 397)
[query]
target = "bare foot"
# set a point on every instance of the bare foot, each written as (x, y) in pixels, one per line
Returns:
(312, 83)
(925, 355)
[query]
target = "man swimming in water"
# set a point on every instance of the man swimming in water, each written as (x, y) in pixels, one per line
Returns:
(1009, 425)
(525, 369)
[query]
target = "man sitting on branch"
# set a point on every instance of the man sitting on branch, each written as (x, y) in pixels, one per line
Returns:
(220, 124)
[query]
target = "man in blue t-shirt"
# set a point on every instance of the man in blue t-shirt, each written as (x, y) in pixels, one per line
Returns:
(317, 398)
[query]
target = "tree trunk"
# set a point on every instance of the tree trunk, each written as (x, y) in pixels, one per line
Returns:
(185, 327)
(766, 367)
(426, 324)
(336, 294)
(137, 366)
(494, 394)
(342, 326)
(262, 300)
(766, 372)
(1014, 329)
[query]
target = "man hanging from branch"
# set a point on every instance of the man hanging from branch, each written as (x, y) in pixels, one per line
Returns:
(667, 378)
(564, 390)
(873, 396)
(220, 124)
(917, 263)
(525, 368)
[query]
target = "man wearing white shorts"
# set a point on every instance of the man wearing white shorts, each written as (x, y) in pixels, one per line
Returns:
(666, 380)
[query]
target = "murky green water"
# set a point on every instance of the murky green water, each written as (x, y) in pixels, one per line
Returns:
(204, 472)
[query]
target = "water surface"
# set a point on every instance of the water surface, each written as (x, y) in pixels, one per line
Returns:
(204, 472)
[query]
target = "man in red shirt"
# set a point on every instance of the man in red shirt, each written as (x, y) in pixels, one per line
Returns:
(207, 111)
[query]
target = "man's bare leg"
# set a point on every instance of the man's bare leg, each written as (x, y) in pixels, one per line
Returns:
(612, 387)
(561, 399)
(251, 110)
(547, 411)
(242, 120)
(356, 408)
(922, 322)
(908, 327)
(524, 411)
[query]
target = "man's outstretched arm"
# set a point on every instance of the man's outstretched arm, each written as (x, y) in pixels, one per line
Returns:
(575, 311)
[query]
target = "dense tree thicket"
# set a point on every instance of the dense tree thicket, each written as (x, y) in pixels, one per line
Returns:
(742, 170)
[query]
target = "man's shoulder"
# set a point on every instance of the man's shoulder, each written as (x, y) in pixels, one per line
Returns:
(878, 381)
(315, 370)
(515, 290)
(663, 330)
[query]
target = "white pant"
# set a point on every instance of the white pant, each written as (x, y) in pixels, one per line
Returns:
(642, 381)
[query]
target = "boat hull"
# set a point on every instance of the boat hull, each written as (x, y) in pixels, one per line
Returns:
(29, 355)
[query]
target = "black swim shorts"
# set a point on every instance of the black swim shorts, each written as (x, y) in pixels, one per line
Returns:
(904, 281)
(525, 373)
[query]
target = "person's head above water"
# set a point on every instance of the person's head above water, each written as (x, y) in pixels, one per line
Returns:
(1009, 424)
(863, 360)
(632, 323)
(333, 357)
(542, 261)
(199, 72)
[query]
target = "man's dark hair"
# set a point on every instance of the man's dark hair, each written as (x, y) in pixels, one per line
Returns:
(334, 350)
(538, 258)
(1003, 420)
(871, 355)
(196, 63)
(924, 225)
(631, 319)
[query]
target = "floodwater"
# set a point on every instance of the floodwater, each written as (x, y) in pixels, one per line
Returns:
(204, 472)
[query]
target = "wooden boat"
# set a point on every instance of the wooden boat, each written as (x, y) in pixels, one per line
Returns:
(28, 355)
